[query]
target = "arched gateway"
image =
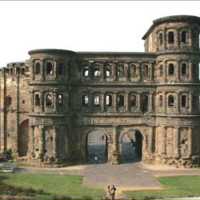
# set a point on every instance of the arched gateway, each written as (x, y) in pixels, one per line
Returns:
(131, 146)
(97, 147)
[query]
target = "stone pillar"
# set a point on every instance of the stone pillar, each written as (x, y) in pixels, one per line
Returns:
(190, 70)
(150, 102)
(190, 103)
(163, 152)
(114, 66)
(178, 71)
(150, 140)
(189, 142)
(114, 98)
(42, 144)
(126, 101)
(115, 150)
(176, 142)
(138, 102)
(102, 102)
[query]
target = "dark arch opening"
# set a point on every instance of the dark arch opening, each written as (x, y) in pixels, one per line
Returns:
(96, 147)
(131, 146)
(23, 138)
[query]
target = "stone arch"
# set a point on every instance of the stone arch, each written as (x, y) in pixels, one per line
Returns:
(23, 138)
(96, 145)
(131, 145)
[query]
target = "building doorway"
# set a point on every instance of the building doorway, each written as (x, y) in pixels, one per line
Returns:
(97, 147)
(23, 138)
(131, 146)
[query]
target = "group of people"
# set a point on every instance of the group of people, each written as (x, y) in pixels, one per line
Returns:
(111, 192)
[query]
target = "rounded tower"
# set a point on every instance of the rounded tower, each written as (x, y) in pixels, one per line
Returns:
(50, 114)
(175, 41)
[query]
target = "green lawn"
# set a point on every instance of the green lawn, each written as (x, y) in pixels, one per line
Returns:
(179, 186)
(51, 184)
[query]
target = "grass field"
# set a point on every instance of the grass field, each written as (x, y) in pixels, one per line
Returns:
(49, 185)
(180, 186)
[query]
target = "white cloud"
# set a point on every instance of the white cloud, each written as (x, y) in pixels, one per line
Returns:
(80, 26)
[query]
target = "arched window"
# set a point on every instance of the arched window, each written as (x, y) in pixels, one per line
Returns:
(86, 72)
(22, 71)
(161, 70)
(183, 69)
(170, 37)
(97, 72)
(133, 70)
(60, 99)
(184, 37)
(132, 100)
(37, 68)
(49, 100)
(170, 100)
(49, 68)
(96, 100)
(183, 101)
(160, 38)
(120, 70)
(171, 69)
(160, 100)
(107, 71)
(146, 71)
(60, 69)
(37, 100)
(85, 100)
(120, 100)
(108, 100)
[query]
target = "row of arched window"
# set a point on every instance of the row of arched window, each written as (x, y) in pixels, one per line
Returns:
(120, 101)
(49, 99)
(50, 67)
(119, 70)
(181, 36)
(171, 34)
(134, 101)
(171, 69)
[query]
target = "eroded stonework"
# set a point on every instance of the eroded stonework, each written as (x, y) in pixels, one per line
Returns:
(68, 107)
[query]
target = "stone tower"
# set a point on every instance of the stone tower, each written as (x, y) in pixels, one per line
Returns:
(175, 41)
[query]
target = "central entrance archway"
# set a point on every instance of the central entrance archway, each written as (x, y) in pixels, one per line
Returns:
(97, 147)
(131, 146)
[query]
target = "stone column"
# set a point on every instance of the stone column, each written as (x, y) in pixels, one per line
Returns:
(138, 102)
(115, 150)
(190, 70)
(114, 66)
(150, 140)
(163, 152)
(189, 142)
(126, 102)
(176, 142)
(102, 102)
(42, 143)
(178, 71)
(189, 103)
(150, 102)
(114, 98)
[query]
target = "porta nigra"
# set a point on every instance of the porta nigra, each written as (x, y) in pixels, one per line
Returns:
(66, 107)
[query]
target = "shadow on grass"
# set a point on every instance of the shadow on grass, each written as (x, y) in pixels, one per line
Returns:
(30, 193)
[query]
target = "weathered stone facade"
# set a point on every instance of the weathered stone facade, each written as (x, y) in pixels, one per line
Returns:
(58, 101)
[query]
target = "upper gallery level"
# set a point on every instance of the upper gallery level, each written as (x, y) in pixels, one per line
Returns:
(173, 33)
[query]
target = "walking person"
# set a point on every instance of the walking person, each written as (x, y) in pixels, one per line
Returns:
(113, 192)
